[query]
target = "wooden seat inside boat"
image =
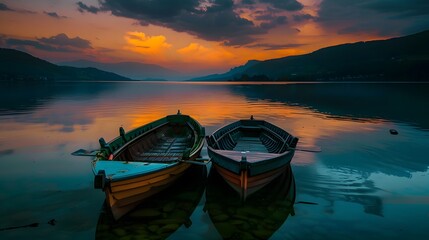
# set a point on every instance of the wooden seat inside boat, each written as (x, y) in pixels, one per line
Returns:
(165, 145)
(167, 150)
(253, 144)
(264, 138)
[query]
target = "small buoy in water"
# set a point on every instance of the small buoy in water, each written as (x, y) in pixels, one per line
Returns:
(393, 132)
(52, 222)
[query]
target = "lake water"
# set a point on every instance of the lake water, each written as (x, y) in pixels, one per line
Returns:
(365, 183)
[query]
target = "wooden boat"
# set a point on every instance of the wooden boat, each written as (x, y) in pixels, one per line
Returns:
(144, 161)
(250, 153)
(160, 215)
(259, 217)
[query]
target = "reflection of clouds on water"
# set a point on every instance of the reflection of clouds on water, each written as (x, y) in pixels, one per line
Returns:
(65, 114)
(333, 186)
(362, 167)
(69, 208)
(396, 101)
(338, 117)
(20, 98)
(6, 152)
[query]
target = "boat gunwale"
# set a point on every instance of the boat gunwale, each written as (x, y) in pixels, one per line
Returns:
(255, 167)
(196, 146)
(131, 176)
(278, 161)
(260, 125)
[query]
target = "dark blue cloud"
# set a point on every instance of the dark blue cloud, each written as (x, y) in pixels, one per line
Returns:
(58, 43)
(289, 5)
(63, 40)
(213, 20)
(303, 17)
(22, 43)
(54, 15)
(248, 2)
(4, 7)
(82, 7)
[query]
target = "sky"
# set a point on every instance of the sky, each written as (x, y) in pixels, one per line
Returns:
(199, 36)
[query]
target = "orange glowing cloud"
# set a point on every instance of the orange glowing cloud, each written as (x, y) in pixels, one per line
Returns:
(197, 52)
(147, 45)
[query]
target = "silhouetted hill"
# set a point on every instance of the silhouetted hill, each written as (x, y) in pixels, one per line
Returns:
(403, 58)
(17, 65)
(231, 74)
(133, 70)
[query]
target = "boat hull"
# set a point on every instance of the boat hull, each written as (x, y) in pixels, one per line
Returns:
(246, 185)
(124, 195)
(167, 210)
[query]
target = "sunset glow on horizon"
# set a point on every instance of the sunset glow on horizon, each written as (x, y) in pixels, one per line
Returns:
(198, 36)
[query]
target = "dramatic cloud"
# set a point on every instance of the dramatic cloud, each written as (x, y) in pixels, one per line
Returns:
(213, 20)
(302, 17)
(290, 5)
(381, 17)
(63, 40)
(22, 44)
(54, 15)
(146, 45)
(58, 43)
(195, 52)
(3, 7)
(248, 1)
(82, 7)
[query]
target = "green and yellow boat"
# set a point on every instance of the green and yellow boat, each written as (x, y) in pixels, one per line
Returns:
(142, 162)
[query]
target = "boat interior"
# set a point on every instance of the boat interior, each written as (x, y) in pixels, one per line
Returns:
(260, 136)
(167, 143)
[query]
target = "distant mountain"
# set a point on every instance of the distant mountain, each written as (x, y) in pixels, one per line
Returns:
(231, 74)
(17, 65)
(402, 58)
(133, 70)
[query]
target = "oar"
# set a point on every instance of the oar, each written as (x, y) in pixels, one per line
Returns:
(303, 149)
(16, 227)
(50, 222)
(197, 161)
(304, 202)
(83, 152)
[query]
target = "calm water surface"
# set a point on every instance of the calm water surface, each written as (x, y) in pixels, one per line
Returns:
(366, 183)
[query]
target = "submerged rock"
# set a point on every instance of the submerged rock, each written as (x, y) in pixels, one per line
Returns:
(153, 228)
(120, 232)
(225, 229)
(148, 212)
(169, 228)
(169, 207)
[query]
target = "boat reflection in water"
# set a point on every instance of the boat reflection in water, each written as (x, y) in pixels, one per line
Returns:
(256, 218)
(160, 215)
